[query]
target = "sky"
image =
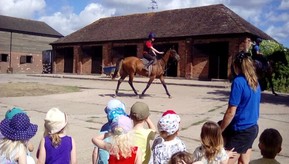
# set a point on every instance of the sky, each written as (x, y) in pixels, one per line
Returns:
(68, 16)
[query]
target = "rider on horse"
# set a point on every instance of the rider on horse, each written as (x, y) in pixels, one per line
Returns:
(257, 55)
(149, 51)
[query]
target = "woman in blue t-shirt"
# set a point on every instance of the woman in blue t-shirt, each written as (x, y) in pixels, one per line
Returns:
(239, 124)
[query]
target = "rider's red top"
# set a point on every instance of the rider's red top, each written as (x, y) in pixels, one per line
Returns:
(148, 46)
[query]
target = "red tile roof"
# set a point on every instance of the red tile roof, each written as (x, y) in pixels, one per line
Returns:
(199, 21)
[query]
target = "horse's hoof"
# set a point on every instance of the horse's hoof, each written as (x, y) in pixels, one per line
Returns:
(140, 96)
(114, 96)
(170, 97)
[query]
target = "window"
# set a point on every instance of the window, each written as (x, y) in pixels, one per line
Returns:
(25, 59)
(3, 57)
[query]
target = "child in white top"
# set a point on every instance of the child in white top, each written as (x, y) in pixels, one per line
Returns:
(168, 143)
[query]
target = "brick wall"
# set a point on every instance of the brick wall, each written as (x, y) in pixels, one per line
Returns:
(23, 45)
(193, 64)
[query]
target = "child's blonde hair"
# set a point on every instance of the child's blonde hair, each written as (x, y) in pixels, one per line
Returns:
(212, 140)
(55, 138)
(122, 145)
(12, 150)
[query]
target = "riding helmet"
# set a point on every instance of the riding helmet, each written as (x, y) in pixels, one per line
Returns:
(152, 35)
(258, 40)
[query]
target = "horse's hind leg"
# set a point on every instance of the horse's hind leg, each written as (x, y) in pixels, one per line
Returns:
(118, 83)
(130, 81)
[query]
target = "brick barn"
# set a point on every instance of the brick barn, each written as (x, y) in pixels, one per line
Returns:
(205, 38)
(25, 45)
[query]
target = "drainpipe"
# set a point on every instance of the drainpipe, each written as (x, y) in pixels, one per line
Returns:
(10, 69)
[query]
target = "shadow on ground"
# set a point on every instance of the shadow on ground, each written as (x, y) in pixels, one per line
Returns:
(281, 99)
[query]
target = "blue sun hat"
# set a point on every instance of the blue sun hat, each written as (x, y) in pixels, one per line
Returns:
(18, 128)
(114, 108)
(12, 112)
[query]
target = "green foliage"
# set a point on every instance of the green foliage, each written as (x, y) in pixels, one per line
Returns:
(268, 47)
(281, 72)
(281, 76)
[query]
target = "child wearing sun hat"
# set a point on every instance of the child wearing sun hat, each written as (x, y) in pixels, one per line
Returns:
(142, 136)
(17, 131)
(10, 113)
(56, 146)
(168, 143)
(113, 109)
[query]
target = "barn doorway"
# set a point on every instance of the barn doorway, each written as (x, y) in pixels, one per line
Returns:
(172, 66)
(65, 55)
(96, 59)
(120, 52)
(215, 55)
(124, 51)
(47, 59)
(68, 60)
(218, 60)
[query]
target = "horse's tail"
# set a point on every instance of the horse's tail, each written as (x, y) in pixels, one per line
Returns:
(117, 68)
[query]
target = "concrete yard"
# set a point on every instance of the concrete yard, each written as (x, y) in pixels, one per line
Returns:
(195, 102)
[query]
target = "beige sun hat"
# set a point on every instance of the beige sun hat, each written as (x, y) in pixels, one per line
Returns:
(55, 120)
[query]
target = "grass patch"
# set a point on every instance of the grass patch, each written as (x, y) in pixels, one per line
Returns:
(33, 89)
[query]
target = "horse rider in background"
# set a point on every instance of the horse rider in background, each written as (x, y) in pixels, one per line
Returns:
(150, 52)
(257, 55)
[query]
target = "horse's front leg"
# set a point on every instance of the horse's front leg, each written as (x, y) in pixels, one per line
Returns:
(162, 79)
(148, 85)
(130, 81)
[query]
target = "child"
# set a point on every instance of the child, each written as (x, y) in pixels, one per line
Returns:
(16, 131)
(270, 143)
(56, 146)
(121, 149)
(183, 157)
(10, 114)
(168, 143)
(212, 150)
(113, 109)
(139, 113)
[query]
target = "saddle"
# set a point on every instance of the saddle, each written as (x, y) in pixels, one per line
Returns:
(145, 62)
(260, 65)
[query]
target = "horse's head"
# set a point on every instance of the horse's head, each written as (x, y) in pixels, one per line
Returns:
(174, 54)
(278, 56)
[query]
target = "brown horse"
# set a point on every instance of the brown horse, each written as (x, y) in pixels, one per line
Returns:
(130, 66)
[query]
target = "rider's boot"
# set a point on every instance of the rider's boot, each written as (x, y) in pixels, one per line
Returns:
(148, 64)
